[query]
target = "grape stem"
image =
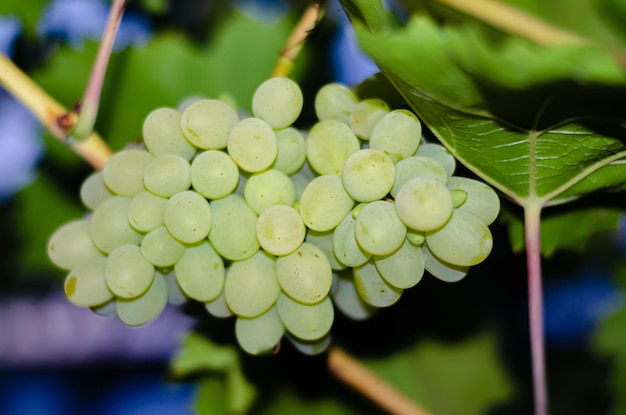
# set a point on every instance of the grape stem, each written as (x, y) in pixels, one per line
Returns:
(360, 378)
(91, 100)
(288, 56)
(532, 216)
(56, 118)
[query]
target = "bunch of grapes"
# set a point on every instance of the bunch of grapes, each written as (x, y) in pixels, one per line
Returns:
(258, 220)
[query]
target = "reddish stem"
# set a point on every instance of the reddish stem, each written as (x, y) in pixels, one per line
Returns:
(532, 214)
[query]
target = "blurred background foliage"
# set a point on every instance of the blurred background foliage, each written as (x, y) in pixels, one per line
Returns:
(456, 348)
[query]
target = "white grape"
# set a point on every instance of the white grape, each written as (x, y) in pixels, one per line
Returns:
(167, 175)
(128, 274)
(305, 274)
(200, 272)
(378, 229)
(280, 230)
(162, 134)
(252, 145)
(368, 175)
(188, 217)
(398, 134)
(233, 233)
(214, 174)
(328, 146)
(277, 101)
(206, 123)
(324, 203)
(365, 115)
(123, 171)
(424, 204)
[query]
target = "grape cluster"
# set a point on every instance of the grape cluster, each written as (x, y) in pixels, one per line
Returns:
(256, 220)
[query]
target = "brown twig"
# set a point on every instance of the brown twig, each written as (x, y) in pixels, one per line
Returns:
(52, 114)
(360, 378)
(291, 51)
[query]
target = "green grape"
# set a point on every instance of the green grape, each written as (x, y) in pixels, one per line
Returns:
(301, 179)
(206, 123)
(324, 241)
(305, 274)
(188, 217)
(442, 270)
(335, 102)
(418, 166)
(71, 243)
(373, 288)
(403, 268)
(280, 230)
(233, 233)
(424, 204)
(378, 229)
(93, 191)
(277, 101)
(482, 201)
(145, 211)
(123, 171)
(324, 203)
(348, 300)
(251, 286)
(128, 274)
(145, 308)
(368, 175)
(306, 321)
(346, 248)
(328, 146)
(365, 115)
(218, 307)
(200, 272)
(310, 347)
(260, 334)
(104, 310)
(85, 285)
(160, 248)
(459, 197)
(109, 226)
(440, 154)
(162, 134)
(464, 241)
(167, 175)
(174, 293)
(269, 188)
(398, 134)
(214, 174)
(416, 238)
(252, 145)
(291, 151)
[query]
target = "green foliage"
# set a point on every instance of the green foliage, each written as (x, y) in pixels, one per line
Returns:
(28, 12)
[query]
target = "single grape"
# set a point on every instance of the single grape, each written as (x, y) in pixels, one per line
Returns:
(145, 308)
(442, 270)
(306, 321)
(128, 274)
(252, 145)
(346, 248)
(188, 217)
(280, 230)
(269, 188)
(440, 154)
(123, 171)
(373, 288)
(214, 174)
(233, 233)
(71, 243)
(218, 307)
(105, 310)
(206, 123)
(261, 334)
(85, 285)
(305, 274)
(324, 241)
(398, 134)
(418, 166)
(93, 191)
(335, 102)
(378, 228)
(482, 201)
(348, 300)
(200, 272)
(162, 134)
(174, 293)
(160, 248)
(145, 212)
(365, 115)
(109, 225)
(402, 268)
(251, 286)
(328, 146)
(291, 151)
(368, 175)
(464, 241)
(324, 203)
(167, 175)
(424, 204)
(277, 101)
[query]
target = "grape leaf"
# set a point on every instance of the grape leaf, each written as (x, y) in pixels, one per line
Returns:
(533, 145)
